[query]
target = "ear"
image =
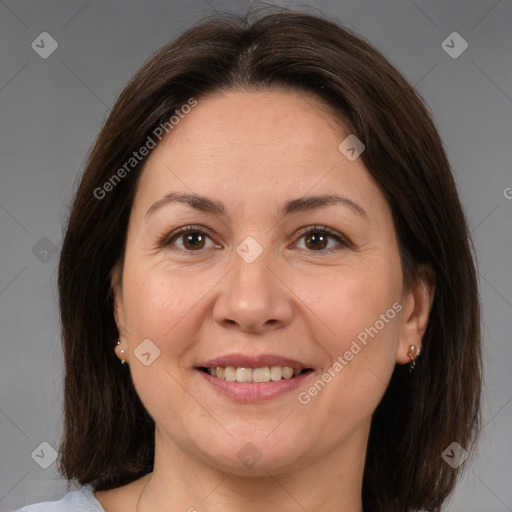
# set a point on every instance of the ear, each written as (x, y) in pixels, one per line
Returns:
(116, 284)
(417, 303)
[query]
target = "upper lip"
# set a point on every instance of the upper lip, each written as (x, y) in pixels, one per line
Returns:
(246, 361)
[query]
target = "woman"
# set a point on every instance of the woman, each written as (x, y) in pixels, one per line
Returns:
(267, 290)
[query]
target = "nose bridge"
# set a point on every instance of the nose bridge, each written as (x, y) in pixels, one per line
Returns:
(252, 297)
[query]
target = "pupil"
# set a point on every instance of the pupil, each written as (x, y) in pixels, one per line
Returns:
(194, 241)
(316, 241)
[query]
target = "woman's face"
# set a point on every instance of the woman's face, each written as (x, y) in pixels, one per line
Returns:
(289, 259)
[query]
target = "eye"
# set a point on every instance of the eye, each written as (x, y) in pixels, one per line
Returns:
(188, 238)
(321, 239)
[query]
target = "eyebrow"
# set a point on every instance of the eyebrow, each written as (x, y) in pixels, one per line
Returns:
(201, 203)
(311, 202)
(293, 206)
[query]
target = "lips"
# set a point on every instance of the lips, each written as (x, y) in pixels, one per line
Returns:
(246, 361)
(248, 380)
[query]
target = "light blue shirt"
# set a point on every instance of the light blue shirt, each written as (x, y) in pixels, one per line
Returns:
(75, 501)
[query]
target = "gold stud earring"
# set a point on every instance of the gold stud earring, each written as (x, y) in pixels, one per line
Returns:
(413, 354)
(122, 352)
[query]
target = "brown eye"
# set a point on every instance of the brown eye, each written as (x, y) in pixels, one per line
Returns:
(193, 241)
(316, 241)
(188, 239)
(322, 239)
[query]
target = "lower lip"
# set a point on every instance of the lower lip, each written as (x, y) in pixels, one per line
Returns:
(247, 392)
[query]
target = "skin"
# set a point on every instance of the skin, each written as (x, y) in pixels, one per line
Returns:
(294, 300)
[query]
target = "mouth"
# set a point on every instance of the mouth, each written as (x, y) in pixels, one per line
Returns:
(259, 375)
(253, 378)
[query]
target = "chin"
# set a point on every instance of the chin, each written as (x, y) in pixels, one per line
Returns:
(254, 455)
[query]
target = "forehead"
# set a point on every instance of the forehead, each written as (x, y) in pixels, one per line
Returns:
(289, 124)
(261, 143)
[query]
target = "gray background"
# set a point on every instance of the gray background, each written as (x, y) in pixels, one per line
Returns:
(51, 110)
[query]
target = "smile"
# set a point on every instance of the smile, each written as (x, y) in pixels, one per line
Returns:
(254, 375)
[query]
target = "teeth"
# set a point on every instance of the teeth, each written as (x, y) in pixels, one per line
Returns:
(256, 375)
(287, 372)
(243, 374)
(229, 373)
(276, 372)
(261, 374)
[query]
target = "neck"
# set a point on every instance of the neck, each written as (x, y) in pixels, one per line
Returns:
(332, 482)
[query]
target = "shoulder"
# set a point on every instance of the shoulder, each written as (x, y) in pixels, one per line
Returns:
(76, 501)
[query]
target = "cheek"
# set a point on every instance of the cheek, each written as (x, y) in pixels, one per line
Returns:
(353, 303)
(158, 301)
(168, 307)
(359, 318)
(165, 308)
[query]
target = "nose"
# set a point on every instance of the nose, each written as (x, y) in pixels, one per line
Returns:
(253, 298)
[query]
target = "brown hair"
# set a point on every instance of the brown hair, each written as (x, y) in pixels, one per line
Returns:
(108, 435)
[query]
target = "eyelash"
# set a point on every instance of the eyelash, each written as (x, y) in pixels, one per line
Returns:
(167, 239)
(324, 230)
